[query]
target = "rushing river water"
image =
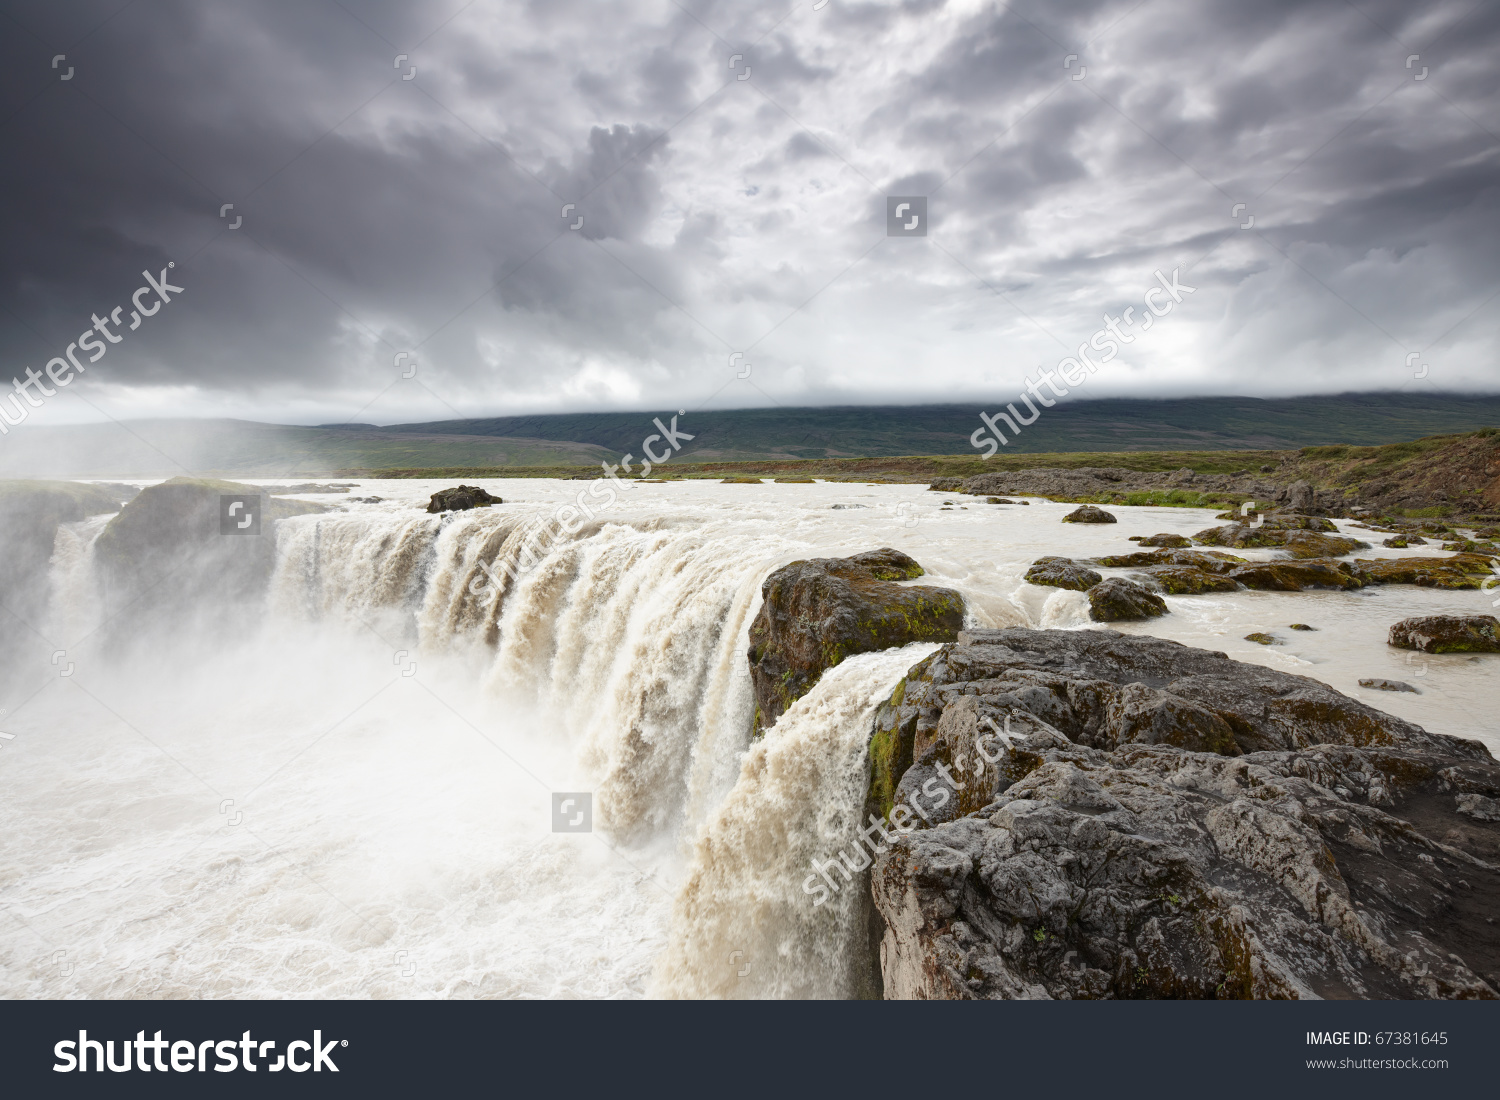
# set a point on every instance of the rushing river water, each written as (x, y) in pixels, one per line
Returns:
(353, 796)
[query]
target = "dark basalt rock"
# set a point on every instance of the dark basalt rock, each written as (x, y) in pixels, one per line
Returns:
(1126, 817)
(1447, 634)
(1164, 539)
(1118, 600)
(817, 612)
(1088, 513)
(1294, 576)
(461, 499)
(1062, 573)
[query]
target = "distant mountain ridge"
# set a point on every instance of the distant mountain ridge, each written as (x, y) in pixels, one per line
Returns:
(1111, 424)
(240, 448)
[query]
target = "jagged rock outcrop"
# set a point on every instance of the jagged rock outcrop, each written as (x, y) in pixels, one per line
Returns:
(461, 499)
(1447, 634)
(815, 613)
(1085, 814)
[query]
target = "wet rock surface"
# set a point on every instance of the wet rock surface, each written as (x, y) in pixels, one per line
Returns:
(1088, 513)
(1424, 572)
(1380, 683)
(1447, 634)
(1187, 580)
(1209, 561)
(1062, 573)
(1125, 817)
(817, 612)
(1119, 600)
(461, 499)
(1294, 576)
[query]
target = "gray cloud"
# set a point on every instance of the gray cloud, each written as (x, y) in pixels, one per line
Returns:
(383, 215)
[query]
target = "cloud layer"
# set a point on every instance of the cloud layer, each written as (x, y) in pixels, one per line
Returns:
(726, 166)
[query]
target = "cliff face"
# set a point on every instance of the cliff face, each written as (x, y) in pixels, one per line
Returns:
(1094, 815)
(817, 612)
(30, 513)
(169, 554)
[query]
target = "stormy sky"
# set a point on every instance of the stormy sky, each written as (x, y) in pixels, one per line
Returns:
(730, 164)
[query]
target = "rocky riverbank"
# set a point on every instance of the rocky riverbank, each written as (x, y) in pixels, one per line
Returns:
(1094, 815)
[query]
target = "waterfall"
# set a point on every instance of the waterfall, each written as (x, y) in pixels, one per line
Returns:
(743, 926)
(609, 659)
(628, 639)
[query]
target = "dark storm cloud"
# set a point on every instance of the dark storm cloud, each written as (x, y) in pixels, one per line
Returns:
(428, 215)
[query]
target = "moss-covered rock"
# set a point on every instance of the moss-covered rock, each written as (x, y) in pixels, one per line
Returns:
(1294, 576)
(1088, 513)
(1262, 638)
(1315, 544)
(1447, 634)
(1185, 580)
(1164, 539)
(1209, 561)
(817, 612)
(1062, 573)
(1118, 600)
(1423, 572)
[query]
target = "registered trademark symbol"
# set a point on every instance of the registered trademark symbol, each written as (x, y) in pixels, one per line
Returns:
(343, 1042)
(171, 263)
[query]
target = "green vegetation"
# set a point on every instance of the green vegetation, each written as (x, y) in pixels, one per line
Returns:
(1212, 435)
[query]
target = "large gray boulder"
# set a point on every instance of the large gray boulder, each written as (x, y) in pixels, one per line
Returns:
(1125, 817)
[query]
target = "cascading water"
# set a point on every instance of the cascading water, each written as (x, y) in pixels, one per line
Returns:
(743, 925)
(328, 824)
(348, 790)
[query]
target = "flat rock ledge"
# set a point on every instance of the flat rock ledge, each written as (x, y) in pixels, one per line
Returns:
(1088, 814)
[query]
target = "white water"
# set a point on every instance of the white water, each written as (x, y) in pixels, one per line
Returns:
(354, 797)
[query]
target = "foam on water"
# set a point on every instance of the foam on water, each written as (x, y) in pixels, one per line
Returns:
(354, 797)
